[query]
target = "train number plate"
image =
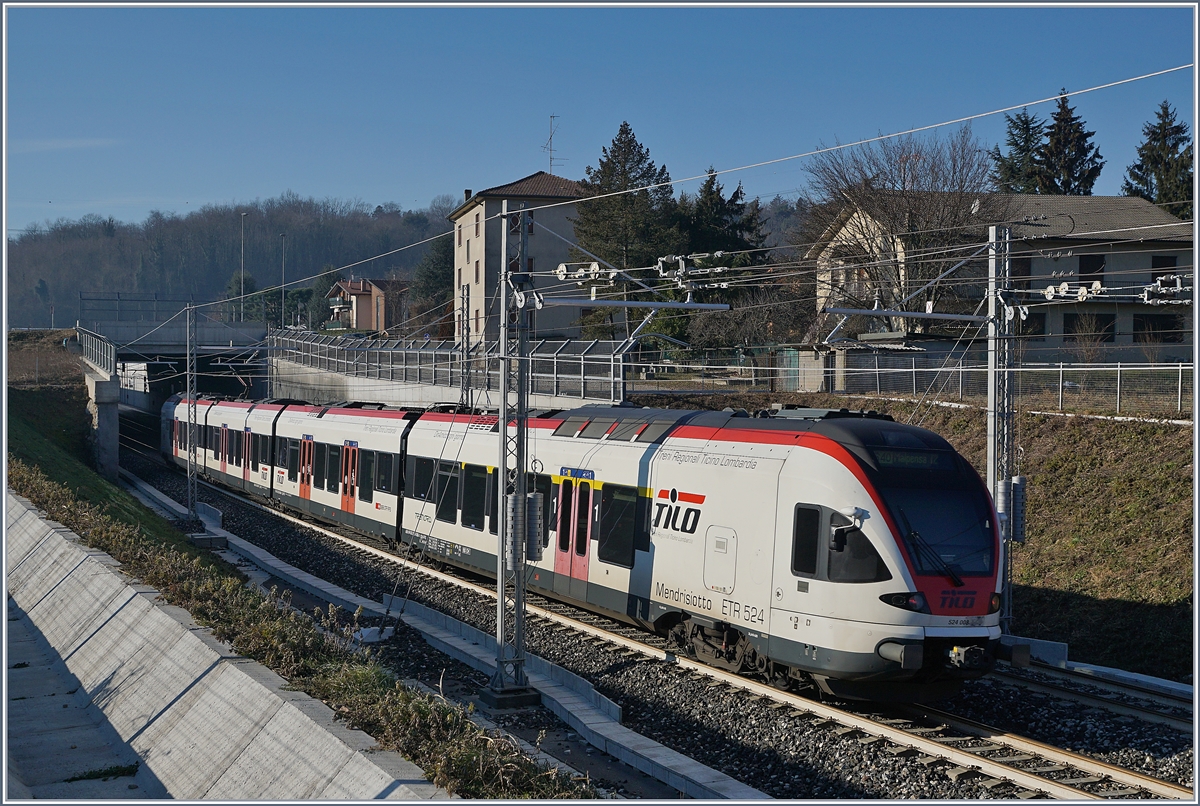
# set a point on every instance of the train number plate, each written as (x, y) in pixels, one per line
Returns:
(973, 621)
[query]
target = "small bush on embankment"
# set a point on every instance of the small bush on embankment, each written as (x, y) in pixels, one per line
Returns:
(1107, 566)
(315, 654)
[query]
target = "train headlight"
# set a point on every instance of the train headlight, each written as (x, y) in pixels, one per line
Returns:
(906, 601)
(994, 604)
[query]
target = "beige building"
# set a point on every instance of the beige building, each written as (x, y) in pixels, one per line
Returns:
(368, 304)
(1064, 243)
(477, 257)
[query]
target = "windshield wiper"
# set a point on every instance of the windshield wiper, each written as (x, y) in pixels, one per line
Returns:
(922, 545)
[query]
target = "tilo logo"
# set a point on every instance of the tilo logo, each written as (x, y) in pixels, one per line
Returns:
(958, 599)
(675, 517)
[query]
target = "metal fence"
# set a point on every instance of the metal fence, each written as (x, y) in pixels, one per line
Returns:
(124, 306)
(587, 370)
(98, 351)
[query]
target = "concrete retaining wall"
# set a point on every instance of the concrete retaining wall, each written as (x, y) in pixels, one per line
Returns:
(204, 721)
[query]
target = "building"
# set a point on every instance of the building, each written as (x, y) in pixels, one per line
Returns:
(1084, 269)
(477, 245)
(367, 304)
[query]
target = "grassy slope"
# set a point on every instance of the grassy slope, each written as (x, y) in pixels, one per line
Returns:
(1108, 563)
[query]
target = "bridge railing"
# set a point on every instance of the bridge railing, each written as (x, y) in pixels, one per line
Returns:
(586, 370)
(98, 351)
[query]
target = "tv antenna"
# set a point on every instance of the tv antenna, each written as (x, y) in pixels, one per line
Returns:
(549, 146)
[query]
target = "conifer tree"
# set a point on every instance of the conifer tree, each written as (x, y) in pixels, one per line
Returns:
(1068, 163)
(1163, 171)
(1017, 171)
(714, 223)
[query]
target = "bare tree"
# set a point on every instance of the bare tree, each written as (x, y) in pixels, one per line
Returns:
(770, 315)
(888, 217)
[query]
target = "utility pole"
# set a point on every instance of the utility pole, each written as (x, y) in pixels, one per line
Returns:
(191, 398)
(1001, 315)
(283, 282)
(464, 347)
(242, 317)
(509, 687)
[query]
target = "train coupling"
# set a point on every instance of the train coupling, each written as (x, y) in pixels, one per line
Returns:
(967, 657)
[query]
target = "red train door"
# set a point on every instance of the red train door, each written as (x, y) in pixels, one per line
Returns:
(306, 462)
(349, 475)
(581, 534)
(224, 450)
(562, 541)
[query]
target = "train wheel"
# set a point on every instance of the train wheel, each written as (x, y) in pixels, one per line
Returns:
(780, 677)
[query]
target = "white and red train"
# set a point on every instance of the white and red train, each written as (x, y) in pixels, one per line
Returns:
(835, 548)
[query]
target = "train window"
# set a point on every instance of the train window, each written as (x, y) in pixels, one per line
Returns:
(293, 459)
(570, 426)
(540, 483)
(385, 474)
(858, 561)
(447, 492)
(654, 432)
(626, 430)
(806, 538)
(618, 522)
(493, 502)
(320, 454)
(596, 429)
(366, 475)
(334, 468)
(420, 472)
(564, 515)
(281, 452)
(474, 496)
(254, 452)
(583, 514)
(237, 448)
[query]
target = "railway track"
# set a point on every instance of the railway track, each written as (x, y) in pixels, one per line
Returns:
(1001, 762)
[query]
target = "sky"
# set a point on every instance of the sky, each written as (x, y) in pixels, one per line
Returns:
(122, 111)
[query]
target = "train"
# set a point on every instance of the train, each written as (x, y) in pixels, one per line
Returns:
(822, 548)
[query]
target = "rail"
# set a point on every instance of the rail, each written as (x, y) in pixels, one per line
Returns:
(98, 351)
(585, 370)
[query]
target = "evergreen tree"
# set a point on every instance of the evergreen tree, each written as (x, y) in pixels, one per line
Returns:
(713, 223)
(1017, 171)
(317, 304)
(1163, 171)
(433, 279)
(1068, 163)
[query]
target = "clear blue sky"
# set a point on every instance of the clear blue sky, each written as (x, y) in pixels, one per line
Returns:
(120, 111)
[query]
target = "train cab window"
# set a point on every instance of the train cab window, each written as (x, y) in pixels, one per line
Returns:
(293, 459)
(474, 496)
(596, 428)
(540, 483)
(806, 532)
(564, 515)
(447, 492)
(654, 432)
(420, 474)
(618, 524)
(856, 560)
(366, 475)
(320, 456)
(570, 426)
(385, 472)
(333, 466)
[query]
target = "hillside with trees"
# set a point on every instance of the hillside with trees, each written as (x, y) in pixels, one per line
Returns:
(199, 255)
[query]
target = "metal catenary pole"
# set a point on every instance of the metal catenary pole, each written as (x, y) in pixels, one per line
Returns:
(999, 413)
(464, 347)
(191, 406)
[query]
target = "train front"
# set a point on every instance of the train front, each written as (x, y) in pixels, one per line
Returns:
(912, 550)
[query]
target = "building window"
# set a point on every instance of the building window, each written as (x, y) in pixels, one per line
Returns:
(1157, 327)
(1020, 269)
(476, 271)
(514, 222)
(1033, 328)
(477, 225)
(1160, 262)
(530, 219)
(1089, 327)
(529, 264)
(468, 250)
(460, 234)
(1091, 267)
(460, 276)
(476, 320)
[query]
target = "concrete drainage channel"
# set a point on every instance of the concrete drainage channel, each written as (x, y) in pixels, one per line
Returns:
(572, 699)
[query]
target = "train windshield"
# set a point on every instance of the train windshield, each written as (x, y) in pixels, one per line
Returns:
(946, 531)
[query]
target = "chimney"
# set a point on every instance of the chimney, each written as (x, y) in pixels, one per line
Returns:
(467, 194)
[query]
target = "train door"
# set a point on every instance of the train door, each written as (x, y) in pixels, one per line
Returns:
(581, 538)
(349, 475)
(562, 543)
(306, 467)
(224, 449)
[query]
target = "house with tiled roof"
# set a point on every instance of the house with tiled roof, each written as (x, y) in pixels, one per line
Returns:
(477, 245)
(1059, 245)
(367, 304)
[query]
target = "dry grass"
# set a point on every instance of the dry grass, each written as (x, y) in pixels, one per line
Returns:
(38, 358)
